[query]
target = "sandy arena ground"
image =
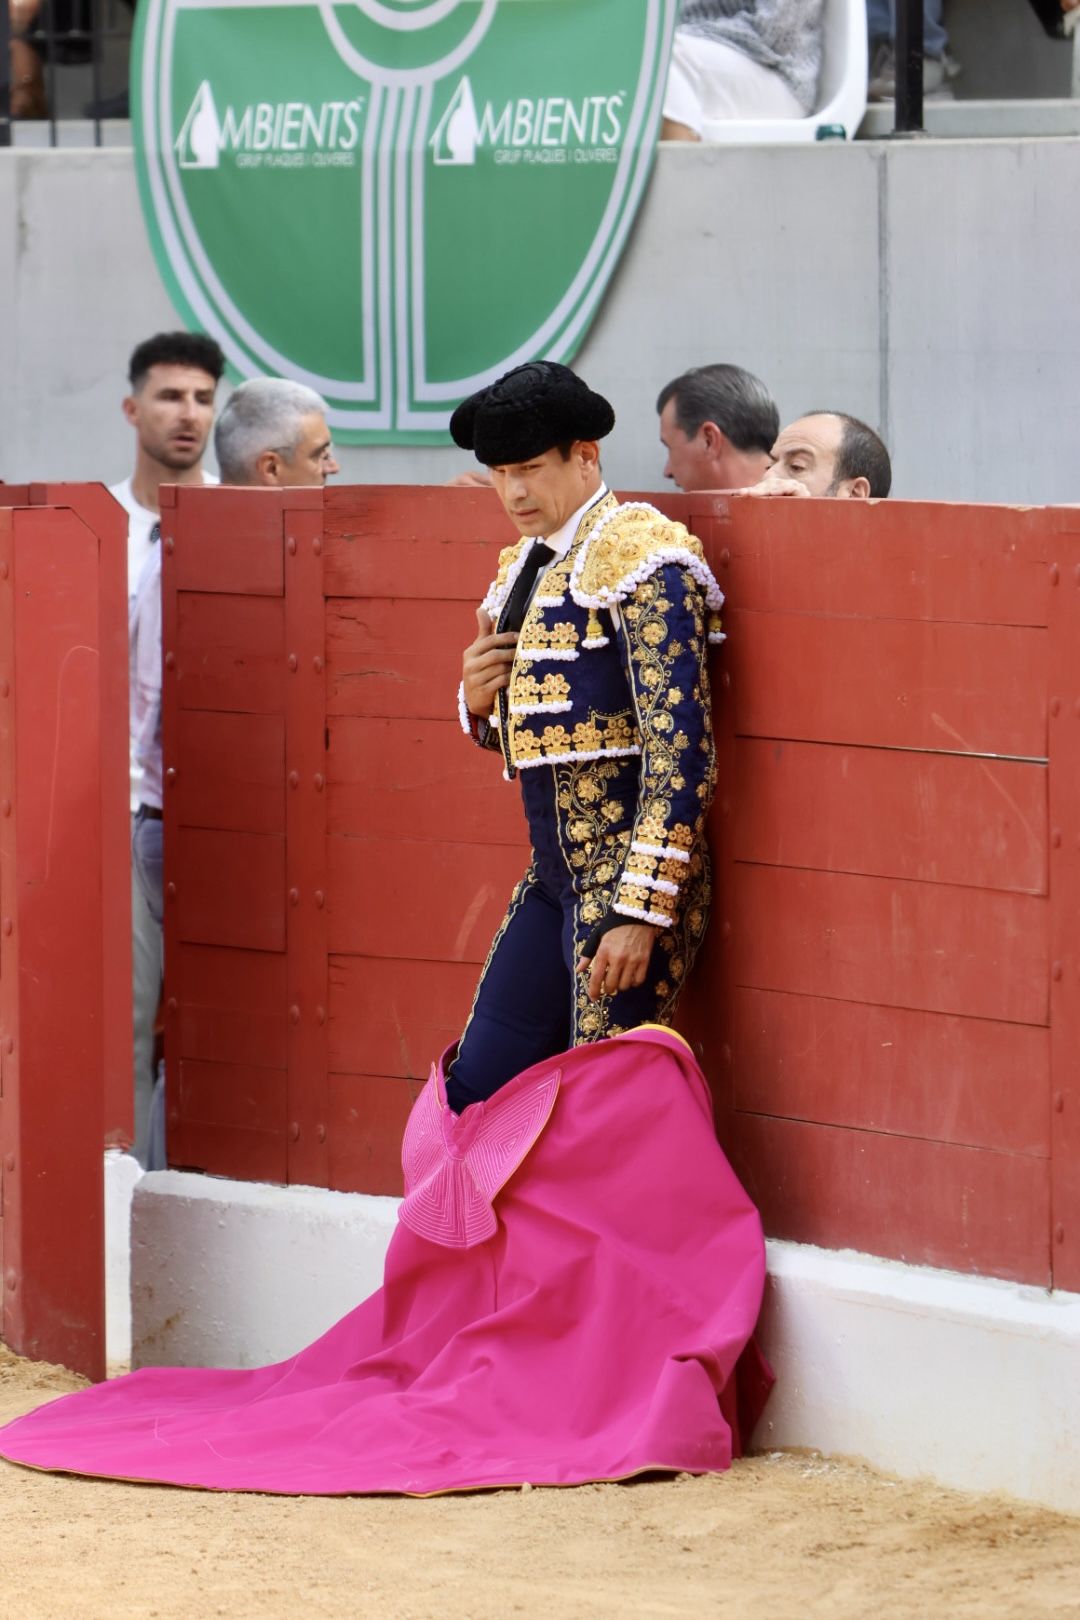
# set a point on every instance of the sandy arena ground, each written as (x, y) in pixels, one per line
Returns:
(780, 1538)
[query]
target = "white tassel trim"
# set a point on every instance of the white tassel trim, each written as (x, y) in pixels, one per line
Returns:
(596, 641)
(668, 854)
(638, 879)
(463, 712)
(574, 758)
(540, 708)
(607, 597)
(549, 601)
(495, 599)
(656, 917)
(716, 637)
(537, 655)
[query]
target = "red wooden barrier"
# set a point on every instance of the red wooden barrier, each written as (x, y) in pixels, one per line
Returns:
(52, 974)
(887, 1002)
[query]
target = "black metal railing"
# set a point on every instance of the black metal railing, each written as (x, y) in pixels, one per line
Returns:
(63, 59)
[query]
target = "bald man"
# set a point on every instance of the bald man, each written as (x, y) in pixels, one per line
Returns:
(831, 454)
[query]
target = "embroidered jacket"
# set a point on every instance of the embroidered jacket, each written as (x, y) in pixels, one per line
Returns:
(611, 661)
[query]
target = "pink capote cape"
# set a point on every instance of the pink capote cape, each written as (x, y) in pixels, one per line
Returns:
(570, 1295)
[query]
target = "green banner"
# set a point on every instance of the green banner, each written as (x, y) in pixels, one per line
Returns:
(394, 201)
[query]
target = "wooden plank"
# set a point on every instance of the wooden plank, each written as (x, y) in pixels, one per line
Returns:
(232, 775)
(229, 889)
(927, 1203)
(366, 1124)
(1065, 914)
(239, 1096)
(395, 1017)
(441, 544)
(224, 1150)
(230, 1006)
(920, 945)
(970, 1081)
(395, 658)
(227, 540)
(893, 560)
(941, 818)
(418, 779)
(229, 653)
(963, 688)
(427, 902)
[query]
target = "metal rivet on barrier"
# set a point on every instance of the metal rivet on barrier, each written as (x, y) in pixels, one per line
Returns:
(9, 1163)
(170, 891)
(1055, 837)
(174, 1116)
(294, 1014)
(320, 1133)
(725, 680)
(8, 925)
(294, 897)
(1056, 972)
(725, 1054)
(3, 570)
(294, 779)
(1059, 1102)
(293, 662)
(170, 660)
(1055, 573)
(170, 776)
(173, 1004)
(725, 558)
(316, 546)
(294, 1132)
(725, 930)
(320, 1015)
(9, 1045)
(320, 782)
(320, 898)
(1055, 706)
(290, 546)
(170, 545)
(318, 663)
(5, 688)
(1059, 1234)
(5, 807)
(12, 1280)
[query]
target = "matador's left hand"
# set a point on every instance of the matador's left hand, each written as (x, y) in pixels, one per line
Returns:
(621, 961)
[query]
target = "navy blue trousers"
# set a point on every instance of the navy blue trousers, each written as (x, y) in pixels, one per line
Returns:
(531, 1002)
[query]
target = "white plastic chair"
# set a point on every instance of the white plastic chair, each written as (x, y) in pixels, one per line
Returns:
(841, 92)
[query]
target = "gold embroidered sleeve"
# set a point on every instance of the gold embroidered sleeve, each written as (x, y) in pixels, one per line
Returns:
(663, 628)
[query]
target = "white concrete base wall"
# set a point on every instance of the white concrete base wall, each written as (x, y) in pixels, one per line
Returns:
(968, 1381)
(122, 1173)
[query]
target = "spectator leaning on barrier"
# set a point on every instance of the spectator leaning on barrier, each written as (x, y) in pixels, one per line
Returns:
(828, 453)
(173, 379)
(718, 425)
(742, 59)
(273, 432)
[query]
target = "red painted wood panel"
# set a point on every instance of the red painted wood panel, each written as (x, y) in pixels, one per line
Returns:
(229, 1006)
(226, 539)
(429, 902)
(424, 776)
(399, 659)
(970, 1081)
(230, 889)
(893, 560)
(941, 818)
(968, 951)
(224, 1150)
(239, 1096)
(436, 543)
(395, 1017)
(229, 652)
(235, 776)
(966, 688)
(367, 1115)
(928, 1203)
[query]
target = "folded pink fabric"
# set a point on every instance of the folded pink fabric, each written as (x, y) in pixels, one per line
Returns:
(570, 1295)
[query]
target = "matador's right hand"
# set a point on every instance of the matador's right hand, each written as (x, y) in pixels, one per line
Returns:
(486, 666)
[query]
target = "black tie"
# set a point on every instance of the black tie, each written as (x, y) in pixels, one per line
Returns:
(513, 614)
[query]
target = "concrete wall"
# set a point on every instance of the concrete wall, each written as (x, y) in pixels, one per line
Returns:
(923, 285)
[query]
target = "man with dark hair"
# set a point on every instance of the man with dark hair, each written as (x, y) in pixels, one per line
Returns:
(717, 424)
(828, 453)
(173, 378)
(589, 675)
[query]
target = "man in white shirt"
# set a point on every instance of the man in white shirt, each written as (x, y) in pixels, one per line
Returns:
(173, 378)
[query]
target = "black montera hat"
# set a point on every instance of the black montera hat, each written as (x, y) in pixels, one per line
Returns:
(528, 411)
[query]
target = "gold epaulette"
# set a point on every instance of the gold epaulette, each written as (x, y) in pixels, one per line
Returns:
(626, 546)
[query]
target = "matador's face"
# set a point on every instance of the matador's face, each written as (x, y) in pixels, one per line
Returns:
(540, 494)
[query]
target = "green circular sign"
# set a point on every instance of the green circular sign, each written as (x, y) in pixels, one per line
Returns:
(394, 200)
